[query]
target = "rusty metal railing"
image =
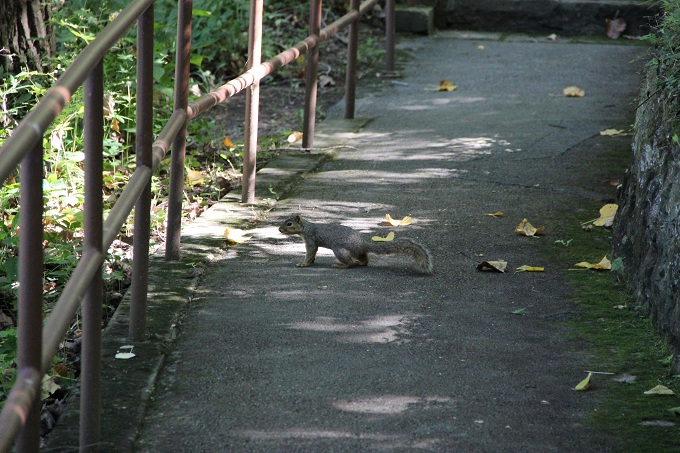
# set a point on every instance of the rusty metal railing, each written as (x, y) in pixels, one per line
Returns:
(38, 343)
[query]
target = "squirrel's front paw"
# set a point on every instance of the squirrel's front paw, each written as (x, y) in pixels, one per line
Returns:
(303, 264)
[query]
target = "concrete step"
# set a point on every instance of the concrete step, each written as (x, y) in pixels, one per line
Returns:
(414, 19)
(562, 17)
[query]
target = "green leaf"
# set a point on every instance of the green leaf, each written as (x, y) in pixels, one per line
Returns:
(11, 267)
(617, 264)
(158, 71)
(584, 384)
(196, 60)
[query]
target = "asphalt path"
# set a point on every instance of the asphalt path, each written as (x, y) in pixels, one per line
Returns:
(271, 357)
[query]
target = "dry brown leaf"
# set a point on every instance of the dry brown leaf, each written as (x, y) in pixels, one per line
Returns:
(526, 268)
(446, 85)
(115, 125)
(294, 137)
(236, 235)
(612, 132)
(495, 266)
(603, 265)
(195, 178)
(405, 221)
(607, 214)
(527, 229)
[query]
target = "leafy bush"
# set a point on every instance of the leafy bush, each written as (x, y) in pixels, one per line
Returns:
(77, 23)
(667, 41)
(8, 347)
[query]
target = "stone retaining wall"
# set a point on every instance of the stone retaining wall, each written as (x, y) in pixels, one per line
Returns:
(563, 17)
(647, 229)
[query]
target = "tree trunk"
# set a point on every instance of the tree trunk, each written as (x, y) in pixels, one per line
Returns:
(26, 37)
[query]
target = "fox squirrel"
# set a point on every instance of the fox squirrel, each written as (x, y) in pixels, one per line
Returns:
(348, 245)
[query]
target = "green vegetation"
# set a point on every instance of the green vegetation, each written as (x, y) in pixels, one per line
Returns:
(667, 42)
(619, 337)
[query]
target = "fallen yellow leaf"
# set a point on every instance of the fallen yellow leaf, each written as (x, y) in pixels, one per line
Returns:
(526, 268)
(236, 236)
(195, 178)
(573, 92)
(527, 229)
(227, 142)
(496, 266)
(446, 85)
(607, 213)
(294, 137)
(584, 384)
(495, 214)
(405, 221)
(612, 132)
(389, 237)
(603, 265)
(660, 390)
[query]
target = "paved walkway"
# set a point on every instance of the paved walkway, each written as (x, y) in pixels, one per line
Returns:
(274, 358)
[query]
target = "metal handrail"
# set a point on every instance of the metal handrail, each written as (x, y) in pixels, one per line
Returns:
(20, 417)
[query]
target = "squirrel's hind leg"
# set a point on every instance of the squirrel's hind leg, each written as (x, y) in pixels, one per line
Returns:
(348, 260)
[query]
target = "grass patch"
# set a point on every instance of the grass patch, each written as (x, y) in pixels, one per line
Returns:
(620, 338)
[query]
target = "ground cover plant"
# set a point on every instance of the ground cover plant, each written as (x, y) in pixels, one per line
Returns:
(617, 335)
(666, 39)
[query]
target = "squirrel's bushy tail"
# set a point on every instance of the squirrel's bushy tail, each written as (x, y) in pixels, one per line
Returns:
(407, 247)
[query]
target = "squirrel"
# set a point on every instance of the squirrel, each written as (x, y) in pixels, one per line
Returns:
(349, 246)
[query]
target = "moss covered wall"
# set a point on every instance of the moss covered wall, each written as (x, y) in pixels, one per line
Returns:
(647, 230)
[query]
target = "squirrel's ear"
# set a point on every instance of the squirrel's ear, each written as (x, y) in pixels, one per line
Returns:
(298, 219)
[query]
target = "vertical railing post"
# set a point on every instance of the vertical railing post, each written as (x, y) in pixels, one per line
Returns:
(143, 144)
(351, 70)
(91, 305)
(176, 190)
(311, 73)
(390, 26)
(30, 287)
(252, 103)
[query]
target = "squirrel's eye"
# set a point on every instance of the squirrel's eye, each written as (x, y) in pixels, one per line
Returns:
(289, 223)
